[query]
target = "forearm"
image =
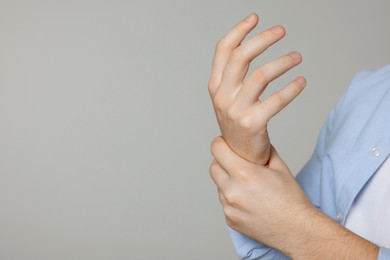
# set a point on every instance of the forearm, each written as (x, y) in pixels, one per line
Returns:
(316, 236)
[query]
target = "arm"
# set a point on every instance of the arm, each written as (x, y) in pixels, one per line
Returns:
(255, 206)
(243, 119)
(241, 116)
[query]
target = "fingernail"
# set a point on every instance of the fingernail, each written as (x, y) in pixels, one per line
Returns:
(250, 18)
(277, 30)
(301, 80)
(295, 55)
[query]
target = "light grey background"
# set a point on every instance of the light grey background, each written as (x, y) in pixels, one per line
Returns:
(105, 119)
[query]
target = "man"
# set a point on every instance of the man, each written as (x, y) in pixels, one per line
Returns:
(271, 214)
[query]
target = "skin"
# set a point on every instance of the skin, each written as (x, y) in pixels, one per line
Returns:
(242, 117)
(259, 195)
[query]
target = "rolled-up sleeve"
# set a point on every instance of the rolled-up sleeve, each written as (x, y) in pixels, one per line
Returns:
(249, 249)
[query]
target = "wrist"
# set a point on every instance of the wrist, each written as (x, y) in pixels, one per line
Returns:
(253, 149)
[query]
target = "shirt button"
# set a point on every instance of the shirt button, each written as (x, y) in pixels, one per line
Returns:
(339, 216)
(375, 152)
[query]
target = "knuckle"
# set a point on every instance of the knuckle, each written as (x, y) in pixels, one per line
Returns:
(221, 45)
(259, 75)
(229, 221)
(246, 122)
(219, 103)
(233, 114)
(279, 101)
(211, 85)
(231, 198)
(214, 144)
(228, 211)
(237, 56)
(242, 175)
(213, 168)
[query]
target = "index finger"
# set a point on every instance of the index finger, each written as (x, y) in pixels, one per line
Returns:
(225, 46)
(229, 160)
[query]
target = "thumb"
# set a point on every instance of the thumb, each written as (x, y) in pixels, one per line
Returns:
(276, 163)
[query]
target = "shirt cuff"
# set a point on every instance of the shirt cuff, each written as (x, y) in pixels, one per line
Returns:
(384, 253)
(249, 249)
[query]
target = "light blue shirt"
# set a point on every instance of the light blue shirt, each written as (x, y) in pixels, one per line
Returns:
(353, 143)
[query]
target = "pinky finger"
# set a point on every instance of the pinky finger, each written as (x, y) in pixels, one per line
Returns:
(280, 99)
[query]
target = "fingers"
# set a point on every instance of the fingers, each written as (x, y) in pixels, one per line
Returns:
(279, 100)
(220, 177)
(239, 60)
(262, 76)
(225, 46)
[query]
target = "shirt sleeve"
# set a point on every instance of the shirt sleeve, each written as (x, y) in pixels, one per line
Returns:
(249, 249)
(309, 178)
(384, 254)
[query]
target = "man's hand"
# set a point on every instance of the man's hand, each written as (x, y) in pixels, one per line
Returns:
(241, 116)
(259, 201)
(266, 204)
